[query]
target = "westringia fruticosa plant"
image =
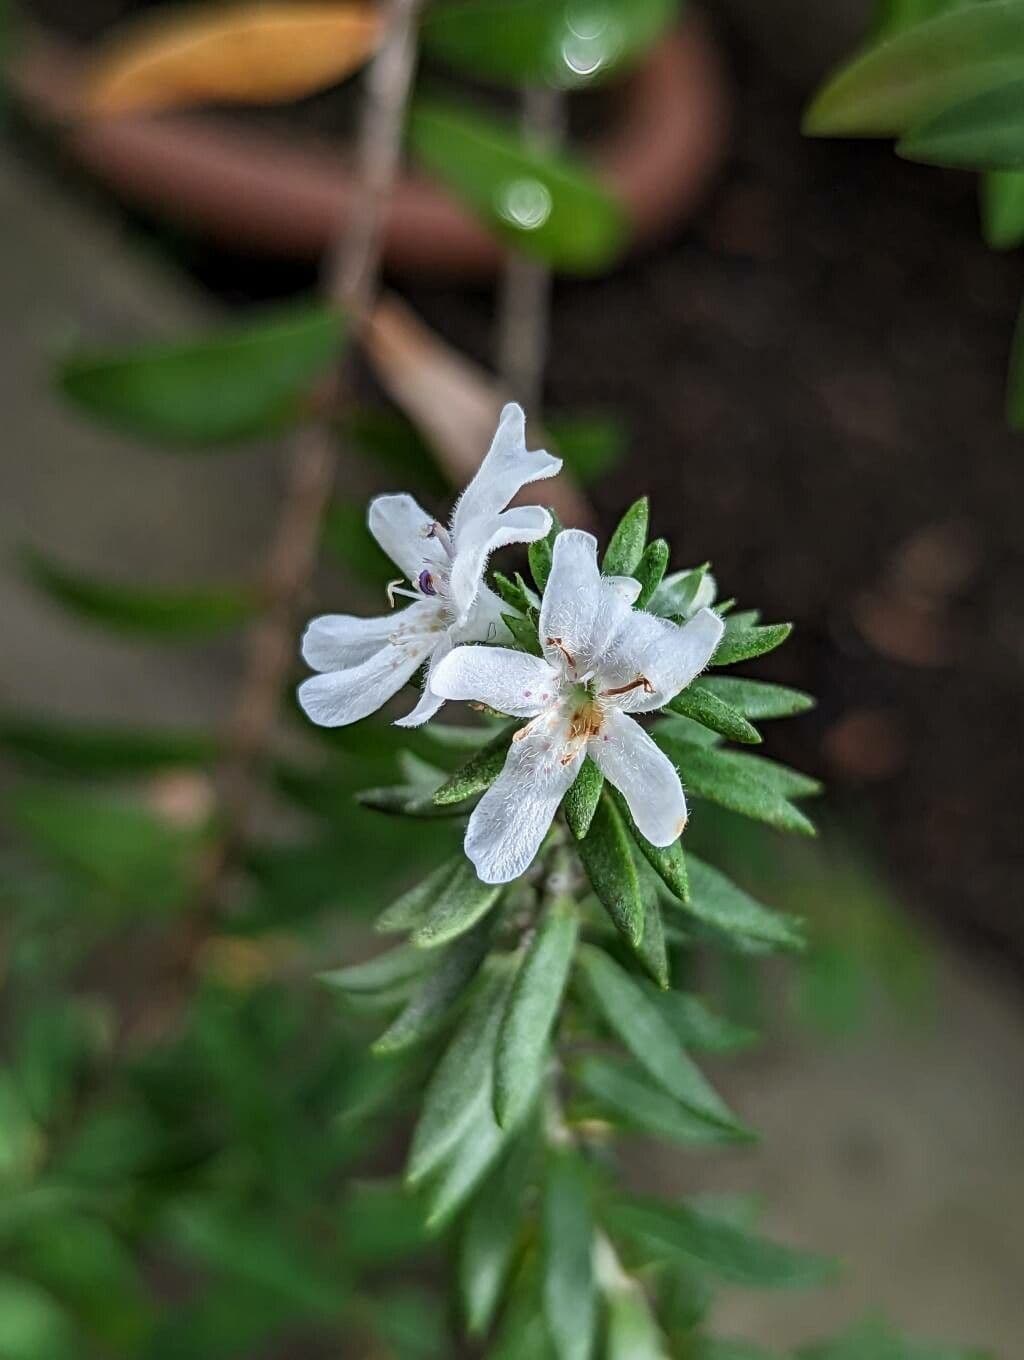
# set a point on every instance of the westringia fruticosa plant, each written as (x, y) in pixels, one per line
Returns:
(538, 974)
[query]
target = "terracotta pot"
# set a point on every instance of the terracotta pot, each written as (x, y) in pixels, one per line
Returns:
(288, 195)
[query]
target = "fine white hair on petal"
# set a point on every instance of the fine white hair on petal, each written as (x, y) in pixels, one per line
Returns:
(573, 598)
(666, 656)
(402, 528)
(338, 698)
(506, 469)
(643, 774)
(336, 642)
(474, 544)
(509, 681)
(484, 622)
(627, 586)
(510, 822)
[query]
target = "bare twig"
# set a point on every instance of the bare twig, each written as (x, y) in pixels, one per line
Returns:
(350, 281)
(525, 303)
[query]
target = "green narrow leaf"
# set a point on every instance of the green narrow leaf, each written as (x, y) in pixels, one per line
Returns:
(606, 857)
(165, 615)
(625, 1099)
(626, 546)
(701, 705)
(489, 1240)
(542, 203)
(679, 594)
(667, 861)
(478, 773)
(93, 749)
(650, 570)
(431, 1004)
(632, 1333)
(912, 75)
(532, 1010)
(462, 1081)
(376, 974)
(742, 643)
(985, 132)
(733, 782)
(695, 1026)
(539, 553)
(718, 902)
(582, 799)
(755, 699)
(414, 906)
(1002, 208)
(669, 1231)
(543, 42)
(226, 387)
(524, 633)
(894, 15)
(651, 950)
(461, 903)
(516, 594)
(34, 1324)
(568, 1250)
(631, 1015)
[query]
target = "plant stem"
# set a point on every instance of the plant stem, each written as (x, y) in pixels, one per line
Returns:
(525, 303)
(350, 281)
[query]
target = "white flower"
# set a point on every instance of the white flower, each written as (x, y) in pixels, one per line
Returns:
(602, 661)
(363, 662)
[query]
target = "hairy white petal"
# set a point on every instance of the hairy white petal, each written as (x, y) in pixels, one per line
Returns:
(401, 526)
(666, 656)
(627, 586)
(506, 469)
(429, 701)
(484, 623)
(512, 682)
(338, 698)
(510, 822)
(336, 642)
(644, 776)
(479, 538)
(581, 611)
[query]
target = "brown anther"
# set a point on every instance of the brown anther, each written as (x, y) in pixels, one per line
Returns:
(641, 682)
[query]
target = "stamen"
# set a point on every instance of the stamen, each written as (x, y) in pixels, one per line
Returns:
(397, 588)
(438, 531)
(426, 583)
(641, 682)
(557, 642)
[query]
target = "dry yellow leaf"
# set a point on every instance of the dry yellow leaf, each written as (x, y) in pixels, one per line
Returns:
(249, 54)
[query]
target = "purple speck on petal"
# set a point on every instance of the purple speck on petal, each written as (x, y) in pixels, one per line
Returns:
(426, 582)
(526, 693)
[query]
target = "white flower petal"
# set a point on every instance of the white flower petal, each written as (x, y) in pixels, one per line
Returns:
(582, 611)
(401, 526)
(510, 822)
(484, 623)
(430, 701)
(666, 656)
(335, 642)
(479, 538)
(338, 698)
(506, 469)
(512, 682)
(644, 776)
(627, 586)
